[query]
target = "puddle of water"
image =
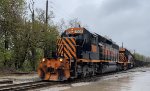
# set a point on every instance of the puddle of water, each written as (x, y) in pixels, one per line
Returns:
(80, 84)
(138, 81)
(56, 89)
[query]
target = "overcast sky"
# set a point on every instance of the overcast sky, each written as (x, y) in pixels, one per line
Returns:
(126, 21)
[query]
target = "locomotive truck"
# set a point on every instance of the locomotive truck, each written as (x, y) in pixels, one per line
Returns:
(81, 53)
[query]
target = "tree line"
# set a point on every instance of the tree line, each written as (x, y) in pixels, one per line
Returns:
(141, 57)
(27, 34)
(24, 39)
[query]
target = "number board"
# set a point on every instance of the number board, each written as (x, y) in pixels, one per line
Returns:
(78, 31)
(74, 31)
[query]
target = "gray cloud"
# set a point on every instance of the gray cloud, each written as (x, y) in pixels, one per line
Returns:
(125, 21)
(122, 20)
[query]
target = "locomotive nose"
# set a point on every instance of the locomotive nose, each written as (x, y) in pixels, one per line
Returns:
(53, 69)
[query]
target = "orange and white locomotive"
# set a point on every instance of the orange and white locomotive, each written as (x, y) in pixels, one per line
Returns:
(81, 53)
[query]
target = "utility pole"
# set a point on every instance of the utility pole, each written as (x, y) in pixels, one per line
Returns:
(46, 14)
(122, 44)
(46, 51)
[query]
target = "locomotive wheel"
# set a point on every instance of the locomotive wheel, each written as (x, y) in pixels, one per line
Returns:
(119, 68)
(85, 71)
(124, 68)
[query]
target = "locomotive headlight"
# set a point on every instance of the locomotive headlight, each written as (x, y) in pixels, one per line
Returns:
(61, 59)
(43, 59)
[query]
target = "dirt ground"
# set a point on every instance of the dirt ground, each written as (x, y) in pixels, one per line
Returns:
(137, 79)
(19, 78)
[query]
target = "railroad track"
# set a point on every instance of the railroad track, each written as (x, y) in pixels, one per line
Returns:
(40, 84)
(26, 86)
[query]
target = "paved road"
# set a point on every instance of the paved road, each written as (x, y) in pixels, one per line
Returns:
(132, 81)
